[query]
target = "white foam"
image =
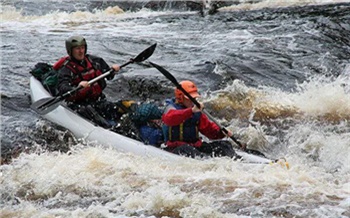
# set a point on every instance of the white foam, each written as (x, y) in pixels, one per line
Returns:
(256, 5)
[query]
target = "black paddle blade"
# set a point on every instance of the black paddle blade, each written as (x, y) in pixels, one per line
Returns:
(170, 77)
(45, 105)
(145, 54)
(166, 73)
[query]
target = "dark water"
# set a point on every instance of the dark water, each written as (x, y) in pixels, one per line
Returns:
(283, 70)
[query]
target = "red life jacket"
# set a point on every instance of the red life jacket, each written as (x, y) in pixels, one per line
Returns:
(81, 74)
(60, 63)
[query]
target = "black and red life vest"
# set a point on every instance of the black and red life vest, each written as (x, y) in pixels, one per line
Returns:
(81, 73)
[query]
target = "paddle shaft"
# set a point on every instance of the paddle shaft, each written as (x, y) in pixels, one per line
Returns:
(142, 56)
(90, 82)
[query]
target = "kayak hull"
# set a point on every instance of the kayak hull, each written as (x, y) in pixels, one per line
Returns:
(82, 128)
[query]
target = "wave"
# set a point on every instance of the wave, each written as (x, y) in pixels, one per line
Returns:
(311, 121)
(257, 5)
(320, 97)
(28, 10)
(10, 13)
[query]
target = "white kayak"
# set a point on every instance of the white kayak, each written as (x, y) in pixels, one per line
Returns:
(90, 132)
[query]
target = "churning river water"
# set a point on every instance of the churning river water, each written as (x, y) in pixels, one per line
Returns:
(276, 73)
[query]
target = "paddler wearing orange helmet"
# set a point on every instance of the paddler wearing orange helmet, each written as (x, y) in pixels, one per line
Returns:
(183, 121)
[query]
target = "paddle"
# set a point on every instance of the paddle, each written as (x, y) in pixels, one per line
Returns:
(223, 129)
(45, 105)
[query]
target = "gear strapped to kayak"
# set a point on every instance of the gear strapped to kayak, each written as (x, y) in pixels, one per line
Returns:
(147, 118)
(47, 75)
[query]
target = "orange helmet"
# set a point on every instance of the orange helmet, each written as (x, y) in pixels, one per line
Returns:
(189, 87)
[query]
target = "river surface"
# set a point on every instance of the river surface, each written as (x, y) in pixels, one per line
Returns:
(276, 73)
